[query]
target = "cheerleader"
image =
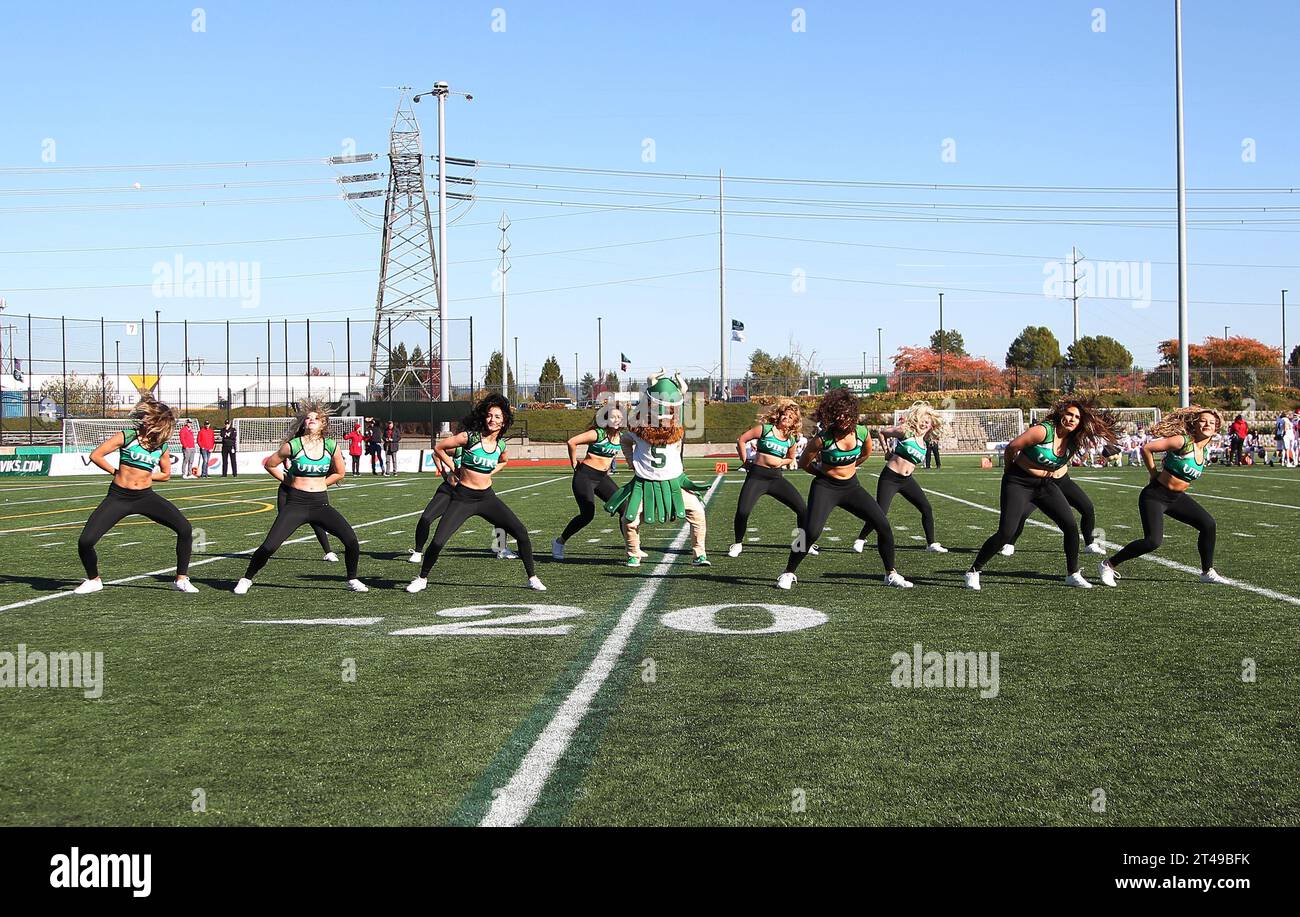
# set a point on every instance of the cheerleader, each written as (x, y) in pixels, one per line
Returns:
(434, 509)
(591, 477)
(314, 462)
(833, 456)
(1031, 459)
(471, 487)
(773, 440)
(921, 426)
(142, 459)
(1184, 437)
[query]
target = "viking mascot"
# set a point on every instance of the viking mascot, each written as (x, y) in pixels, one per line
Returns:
(660, 491)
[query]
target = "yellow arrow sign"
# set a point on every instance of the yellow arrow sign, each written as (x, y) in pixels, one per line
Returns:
(144, 384)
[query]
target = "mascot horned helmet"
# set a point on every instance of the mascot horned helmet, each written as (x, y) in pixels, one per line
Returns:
(665, 394)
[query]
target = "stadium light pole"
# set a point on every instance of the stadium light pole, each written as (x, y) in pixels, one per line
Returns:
(941, 342)
(503, 246)
(1284, 338)
(880, 357)
(117, 382)
(1184, 389)
(440, 91)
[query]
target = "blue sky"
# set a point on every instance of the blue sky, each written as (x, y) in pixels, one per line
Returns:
(1029, 93)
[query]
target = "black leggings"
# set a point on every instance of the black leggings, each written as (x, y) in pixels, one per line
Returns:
(321, 536)
(770, 481)
(1154, 503)
(301, 508)
(890, 483)
(435, 508)
(1021, 492)
(1074, 496)
(356, 464)
(827, 493)
(588, 485)
(121, 503)
(467, 503)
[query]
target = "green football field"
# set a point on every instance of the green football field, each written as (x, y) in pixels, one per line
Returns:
(667, 694)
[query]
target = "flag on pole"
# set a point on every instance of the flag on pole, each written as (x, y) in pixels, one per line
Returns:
(737, 331)
(627, 364)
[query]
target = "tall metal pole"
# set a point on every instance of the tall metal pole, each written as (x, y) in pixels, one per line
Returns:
(286, 368)
(31, 369)
(600, 356)
(1284, 338)
(268, 366)
(471, 358)
(722, 290)
(576, 393)
(103, 387)
(1184, 387)
(117, 355)
(1074, 288)
(516, 365)
(443, 389)
(157, 347)
(941, 342)
(143, 326)
(308, 359)
(348, 332)
(185, 408)
(229, 398)
(503, 246)
(63, 335)
(880, 362)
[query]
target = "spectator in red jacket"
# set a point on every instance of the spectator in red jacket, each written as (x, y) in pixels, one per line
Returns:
(355, 440)
(1238, 430)
(207, 442)
(187, 450)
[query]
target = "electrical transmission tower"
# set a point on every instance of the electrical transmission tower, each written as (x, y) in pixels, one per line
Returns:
(408, 267)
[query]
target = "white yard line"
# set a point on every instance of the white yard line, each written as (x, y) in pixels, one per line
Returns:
(1204, 496)
(1152, 558)
(212, 560)
(517, 798)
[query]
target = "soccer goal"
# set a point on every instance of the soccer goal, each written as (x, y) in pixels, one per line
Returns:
(1131, 420)
(976, 431)
(264, 434)
(84, 434)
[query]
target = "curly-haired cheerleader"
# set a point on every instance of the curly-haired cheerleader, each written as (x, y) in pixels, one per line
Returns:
(591, 478)
(306, 501)
(472, 494)
(921, 426)
(1183, 436)
(775, 438)
(434, 509)
(1031, 459)
(833, 455)
(140, 450)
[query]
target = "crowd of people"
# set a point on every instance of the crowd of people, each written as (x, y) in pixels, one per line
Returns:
(380, 441)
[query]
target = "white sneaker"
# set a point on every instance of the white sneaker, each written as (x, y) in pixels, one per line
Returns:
(89, 586)
(331, 558)
(417, 584)
(735, 549)
(416, 557)
(243, 585)
(535, 583)
(1076, 580)
(506, 554)
(1095, 548)
(1106, 573)
(859, 544)
(786, 580)
(557, 549)
(936, 548)
(1008, 550)
(895, 579)
(973, 580)
(814, 551)
(1210, 576)
(183, 584)
(357, 586)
